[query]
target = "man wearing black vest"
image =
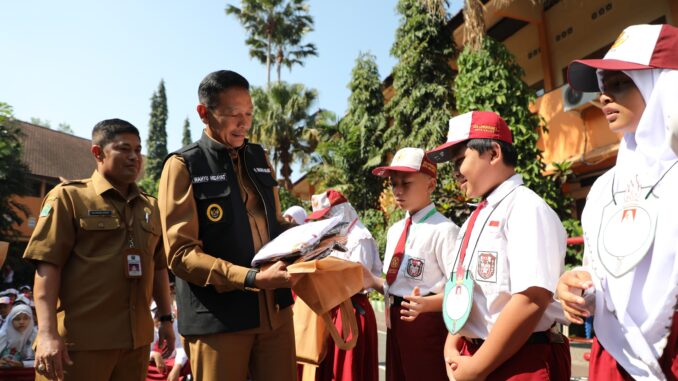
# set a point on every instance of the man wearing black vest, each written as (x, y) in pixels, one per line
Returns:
(219, 205)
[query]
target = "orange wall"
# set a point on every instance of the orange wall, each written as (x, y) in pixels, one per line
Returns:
(33, 206)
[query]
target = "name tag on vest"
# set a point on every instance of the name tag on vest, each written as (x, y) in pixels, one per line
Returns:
(219, 177)
(262, 170)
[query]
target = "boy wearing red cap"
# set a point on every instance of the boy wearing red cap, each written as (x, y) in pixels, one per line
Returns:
(629, 277)
(414, 259)
(499, 305)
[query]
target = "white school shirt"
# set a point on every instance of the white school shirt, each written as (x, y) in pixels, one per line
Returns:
(428, 243)
(517, 242)
(362, 248)
(633, 313)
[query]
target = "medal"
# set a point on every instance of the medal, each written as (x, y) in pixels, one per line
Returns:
(627, 229)
(457, 301)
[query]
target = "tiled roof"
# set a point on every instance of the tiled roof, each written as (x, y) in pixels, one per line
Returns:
(56, 154)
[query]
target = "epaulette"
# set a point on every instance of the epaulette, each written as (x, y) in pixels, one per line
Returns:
(73, 182)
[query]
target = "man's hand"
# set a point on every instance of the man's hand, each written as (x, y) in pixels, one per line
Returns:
(159, 362)
(569, 291)
(166, 338)
(273, 276)
(50, 355)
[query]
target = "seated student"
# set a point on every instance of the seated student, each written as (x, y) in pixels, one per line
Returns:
(175, 366)
(508, 257)
(5, 307)
(360, 363)
(630, 265)
(16, 338)
(414, 260)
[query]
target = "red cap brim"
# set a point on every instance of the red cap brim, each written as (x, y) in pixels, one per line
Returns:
(384, 171)
(318, 214)
(581, 74)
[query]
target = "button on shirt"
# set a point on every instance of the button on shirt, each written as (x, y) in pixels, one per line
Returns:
(517, 242)
(428, 243)
(82, 230)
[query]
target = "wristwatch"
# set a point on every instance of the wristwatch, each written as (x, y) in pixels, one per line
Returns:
(249, 280)
(164, 318)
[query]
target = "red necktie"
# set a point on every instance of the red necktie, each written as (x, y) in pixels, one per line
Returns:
(467, 237)
(398, 254)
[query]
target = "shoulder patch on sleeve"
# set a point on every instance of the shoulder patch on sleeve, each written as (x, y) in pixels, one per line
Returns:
(46, 210)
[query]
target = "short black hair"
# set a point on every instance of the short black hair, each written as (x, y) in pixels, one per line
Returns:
(214, 83)
(508, 151)
(105, 131)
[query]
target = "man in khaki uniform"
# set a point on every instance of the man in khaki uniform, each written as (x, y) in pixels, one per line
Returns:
(219, 205)
(96, 251)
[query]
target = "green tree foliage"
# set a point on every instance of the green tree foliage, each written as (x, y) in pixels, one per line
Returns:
(276, 29)
(283, 121)
(490, 79)
(422, 79)
(349, 151)
(13, 173)
(65, 127)
(186, 136)
(41, 122)
(157, 133)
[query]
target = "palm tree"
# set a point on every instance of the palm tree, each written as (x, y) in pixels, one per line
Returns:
(284, 122)
(276, 29)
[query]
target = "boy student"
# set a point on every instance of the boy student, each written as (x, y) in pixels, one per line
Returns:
(414, 255)
(630, 270)
(507, 260)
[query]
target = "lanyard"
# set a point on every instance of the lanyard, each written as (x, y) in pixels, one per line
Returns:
(426, 217)
(128, 223)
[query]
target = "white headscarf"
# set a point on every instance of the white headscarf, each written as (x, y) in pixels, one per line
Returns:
(10, 337)
(647, 153)
(297, 213)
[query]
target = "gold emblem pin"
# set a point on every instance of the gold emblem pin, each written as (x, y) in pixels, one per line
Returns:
(214, 212)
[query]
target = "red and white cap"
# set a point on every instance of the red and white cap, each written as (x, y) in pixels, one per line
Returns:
(471, 125)
(638, 47)
(408, 159)
(323, 202)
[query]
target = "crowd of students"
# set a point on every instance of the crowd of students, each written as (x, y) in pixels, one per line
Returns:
(478, 302)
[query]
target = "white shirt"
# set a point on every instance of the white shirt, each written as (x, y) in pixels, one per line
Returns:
(517, 242)
(633, 312)
(429, 242)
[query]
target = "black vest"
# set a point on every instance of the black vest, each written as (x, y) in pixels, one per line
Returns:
(224, 230)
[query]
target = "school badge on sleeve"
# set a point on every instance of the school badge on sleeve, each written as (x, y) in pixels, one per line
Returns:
(457, 302)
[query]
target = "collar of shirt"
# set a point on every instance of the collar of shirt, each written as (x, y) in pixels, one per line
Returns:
(417, 217)
(102, 185)
(504, 188)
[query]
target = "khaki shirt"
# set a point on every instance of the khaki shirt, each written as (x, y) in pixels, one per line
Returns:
(185, 255)
(82, 229)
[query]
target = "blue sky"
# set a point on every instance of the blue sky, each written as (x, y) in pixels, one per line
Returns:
(81, 61)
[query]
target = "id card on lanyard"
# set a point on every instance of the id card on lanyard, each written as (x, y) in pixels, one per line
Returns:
(132, 266)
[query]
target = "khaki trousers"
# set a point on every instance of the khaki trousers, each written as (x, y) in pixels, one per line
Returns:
(106, 365)
(263, 356)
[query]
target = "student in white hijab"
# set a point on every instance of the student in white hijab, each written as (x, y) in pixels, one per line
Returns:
(16, 338)
(360, 363)
(295, 214)
(629, 277)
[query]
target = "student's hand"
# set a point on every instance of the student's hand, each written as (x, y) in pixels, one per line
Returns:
(51, 353)
(274, 276)
(372, 281)
(464, 368)
(569, 291)
(159, 362)
(415, 305)
(15, 363)
(166, 338)
(174, 373)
